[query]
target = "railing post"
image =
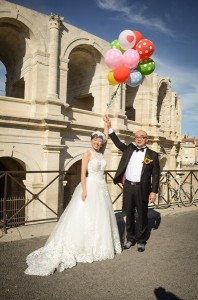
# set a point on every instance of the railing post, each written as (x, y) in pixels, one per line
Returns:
(60, 193)
(4, 203)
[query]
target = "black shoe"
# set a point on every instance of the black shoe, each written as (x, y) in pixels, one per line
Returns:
(129, 244)
(140, 247)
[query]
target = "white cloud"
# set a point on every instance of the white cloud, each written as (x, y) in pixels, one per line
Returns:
(140, 16)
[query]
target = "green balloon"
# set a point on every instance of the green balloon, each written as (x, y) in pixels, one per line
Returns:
(146, 67)
(115, 45)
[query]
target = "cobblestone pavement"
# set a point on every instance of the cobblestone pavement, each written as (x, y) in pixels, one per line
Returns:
(167, 270)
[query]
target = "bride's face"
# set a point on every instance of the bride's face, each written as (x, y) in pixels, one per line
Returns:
(96, 143)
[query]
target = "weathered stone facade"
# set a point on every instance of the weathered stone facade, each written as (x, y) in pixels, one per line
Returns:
(56, 94)
(189, 151)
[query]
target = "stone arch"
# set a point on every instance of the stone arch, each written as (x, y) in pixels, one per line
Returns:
(72, 179)
(83, 41)
(86, 70)
(11, 188)
(131, 93)
(12, 164)
(28, 163)
(163, 103)
(68, 165)
(17, 44)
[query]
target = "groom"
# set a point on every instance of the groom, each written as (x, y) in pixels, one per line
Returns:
(139, 172)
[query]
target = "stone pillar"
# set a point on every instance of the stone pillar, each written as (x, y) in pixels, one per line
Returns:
(35, 210)
(173, 155)
(55, 22)
(63, 79)
(51, 162)
(123, 98)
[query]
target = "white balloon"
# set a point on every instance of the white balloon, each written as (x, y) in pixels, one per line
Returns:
(127, 39)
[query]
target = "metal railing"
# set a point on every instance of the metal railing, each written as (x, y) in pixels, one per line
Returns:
(13, 207)
(177, 187)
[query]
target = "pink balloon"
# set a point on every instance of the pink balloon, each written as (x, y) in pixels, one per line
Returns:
(113, 58)
(131, 58)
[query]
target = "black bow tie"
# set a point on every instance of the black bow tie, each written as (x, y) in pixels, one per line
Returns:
(140, 149)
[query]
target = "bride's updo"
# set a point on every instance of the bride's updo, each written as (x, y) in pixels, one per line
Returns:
(98, 134)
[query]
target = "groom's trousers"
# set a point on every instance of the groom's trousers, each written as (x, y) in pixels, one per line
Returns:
(133, 201)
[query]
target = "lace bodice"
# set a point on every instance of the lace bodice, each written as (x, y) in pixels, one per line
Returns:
(96, 165)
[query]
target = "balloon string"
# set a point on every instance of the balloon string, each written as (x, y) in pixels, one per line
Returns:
(112, 98)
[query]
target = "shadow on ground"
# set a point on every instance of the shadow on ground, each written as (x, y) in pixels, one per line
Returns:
(162, 294)
(154, 220)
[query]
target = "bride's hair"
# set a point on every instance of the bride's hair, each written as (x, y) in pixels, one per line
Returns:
(98, 134)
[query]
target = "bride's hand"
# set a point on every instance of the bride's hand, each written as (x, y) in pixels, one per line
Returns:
(107, 121)
(84, 196)
(105, 118)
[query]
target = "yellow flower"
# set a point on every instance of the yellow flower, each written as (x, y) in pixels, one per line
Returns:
(147, 160)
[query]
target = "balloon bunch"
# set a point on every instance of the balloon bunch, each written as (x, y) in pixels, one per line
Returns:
(129, 58)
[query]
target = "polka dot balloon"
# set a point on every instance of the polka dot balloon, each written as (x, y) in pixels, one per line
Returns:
(145, 48)
(146, 67)
(135, 78)
(115, 45)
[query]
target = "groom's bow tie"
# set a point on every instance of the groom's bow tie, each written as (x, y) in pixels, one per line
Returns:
(140, 149)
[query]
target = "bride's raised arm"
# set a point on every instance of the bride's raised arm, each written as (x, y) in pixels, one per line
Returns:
(106, 126)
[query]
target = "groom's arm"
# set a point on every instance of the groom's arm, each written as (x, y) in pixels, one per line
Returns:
(120, 145)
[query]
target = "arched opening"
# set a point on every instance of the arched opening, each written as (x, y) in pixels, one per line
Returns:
(13, 190)
(131, 93)
(73, 179)
(82, 77)
(2, 79)
(13, 36)
(161, 113)
(163, 162)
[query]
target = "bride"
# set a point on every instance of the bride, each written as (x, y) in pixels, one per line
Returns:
(87, 230)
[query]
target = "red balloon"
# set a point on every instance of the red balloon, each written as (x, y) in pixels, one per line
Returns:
(121, 74)
(138, 36)
(145, 48)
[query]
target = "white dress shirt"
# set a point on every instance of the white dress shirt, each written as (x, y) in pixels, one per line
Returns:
(135, 164)
(134, 167)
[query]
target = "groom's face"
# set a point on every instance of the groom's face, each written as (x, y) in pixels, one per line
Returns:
(141, 138)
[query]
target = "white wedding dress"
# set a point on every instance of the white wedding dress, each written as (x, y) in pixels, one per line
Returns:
(86, 231)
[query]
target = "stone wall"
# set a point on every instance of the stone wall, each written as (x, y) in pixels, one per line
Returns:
(57, 92)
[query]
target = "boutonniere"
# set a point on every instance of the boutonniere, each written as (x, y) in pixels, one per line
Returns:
(147, 159)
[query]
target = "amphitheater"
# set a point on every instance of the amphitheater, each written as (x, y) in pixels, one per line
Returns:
(56, 95)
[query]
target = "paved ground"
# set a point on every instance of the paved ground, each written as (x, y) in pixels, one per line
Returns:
(167, 270)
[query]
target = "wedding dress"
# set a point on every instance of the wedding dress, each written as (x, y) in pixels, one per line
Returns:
(86, 231)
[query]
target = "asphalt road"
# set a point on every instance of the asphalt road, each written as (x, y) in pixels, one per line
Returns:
(167, 270)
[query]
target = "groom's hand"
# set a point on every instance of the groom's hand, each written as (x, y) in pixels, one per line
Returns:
(152, 197)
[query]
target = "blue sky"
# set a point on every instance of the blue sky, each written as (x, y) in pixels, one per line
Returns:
(170, 25)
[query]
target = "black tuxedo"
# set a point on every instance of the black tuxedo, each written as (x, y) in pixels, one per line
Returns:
(136, 197)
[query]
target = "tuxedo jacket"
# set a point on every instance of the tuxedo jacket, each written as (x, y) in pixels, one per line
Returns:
(150, 174)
